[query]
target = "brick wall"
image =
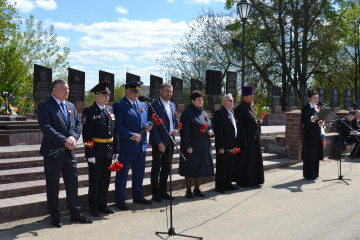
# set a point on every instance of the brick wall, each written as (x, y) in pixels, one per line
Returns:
(293, 134)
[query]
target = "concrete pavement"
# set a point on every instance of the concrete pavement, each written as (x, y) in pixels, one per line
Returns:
(285, 207)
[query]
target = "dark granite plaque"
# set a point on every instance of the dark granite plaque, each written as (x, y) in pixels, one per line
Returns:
(291, 96)
(335, 98)
(42, 82)
(106, 76)
(348, 98)
(322, 95)
(76, 85)
(155, 83)
(196, 85)
(275, 96)
(213, 82)
(358, 99)
(178, 90)
(131, 77)
(304, 96)
(213, 99)
(231, 78)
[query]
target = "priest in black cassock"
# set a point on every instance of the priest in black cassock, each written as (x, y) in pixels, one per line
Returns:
(248, 170)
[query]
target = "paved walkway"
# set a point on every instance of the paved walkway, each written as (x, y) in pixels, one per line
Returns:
(286, 207)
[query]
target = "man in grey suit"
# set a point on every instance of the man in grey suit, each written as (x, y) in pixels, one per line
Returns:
(61, 128)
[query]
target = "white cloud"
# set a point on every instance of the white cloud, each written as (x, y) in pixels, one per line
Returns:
(97, 57)
(203, 1)
(62, 40)
(80, 68)
(47, 5)
(149, 58)
(171, 1)
(121, 10)
(24, 6)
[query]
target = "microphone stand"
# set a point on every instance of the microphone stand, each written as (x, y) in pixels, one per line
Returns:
(341, 177)
(171, 231)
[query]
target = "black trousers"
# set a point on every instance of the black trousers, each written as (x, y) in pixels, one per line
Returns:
(161, 164)
(224, 170)
(99, 180)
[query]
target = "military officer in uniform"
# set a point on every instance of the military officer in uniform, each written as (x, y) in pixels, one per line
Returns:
(132, 123)
(99, 127)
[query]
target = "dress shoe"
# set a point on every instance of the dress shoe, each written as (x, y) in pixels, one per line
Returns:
(56, 223)
(82, 218)
(142, 201)
(157, 198)
(122, 206)
(220, 190)
(107, 210)
(189, 194)
(167, 196)
(231, 188)
(198, 193)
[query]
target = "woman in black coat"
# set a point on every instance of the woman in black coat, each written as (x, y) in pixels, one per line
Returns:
(195, 145)
(312, 147)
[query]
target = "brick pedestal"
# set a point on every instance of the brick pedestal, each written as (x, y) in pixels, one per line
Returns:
(275, 109)
(293, 133)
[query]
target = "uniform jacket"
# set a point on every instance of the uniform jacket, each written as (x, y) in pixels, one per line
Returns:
(97, 124)
(130, 121)
(224, 130)
(158, 133)
(56, 129)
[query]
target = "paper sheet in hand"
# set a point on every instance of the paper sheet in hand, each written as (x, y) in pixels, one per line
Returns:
(323, 113)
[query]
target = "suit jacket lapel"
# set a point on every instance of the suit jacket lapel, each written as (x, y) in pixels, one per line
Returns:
(59, 110)
(228, 117)
(132, 110)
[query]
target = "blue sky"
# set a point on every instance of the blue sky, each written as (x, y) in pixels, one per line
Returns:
(117, 36)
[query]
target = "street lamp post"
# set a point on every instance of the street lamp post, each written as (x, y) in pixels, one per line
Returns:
(244, 9)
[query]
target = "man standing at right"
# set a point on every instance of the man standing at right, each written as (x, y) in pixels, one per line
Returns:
(249, 170)
(162, 146)
(225, 130)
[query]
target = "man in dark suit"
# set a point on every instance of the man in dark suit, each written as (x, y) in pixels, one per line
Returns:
(99, 127)
(132, 123)
(61, 128)
(162, 146)
(225, 130)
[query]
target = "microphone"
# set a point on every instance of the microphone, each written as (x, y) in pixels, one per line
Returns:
(322, 105)
(145, 99)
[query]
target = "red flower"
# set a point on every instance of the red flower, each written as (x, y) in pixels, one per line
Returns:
(180, 125)
(202, 130)
(204, 126)
(89, 144)
(115, 167)
(262, 115)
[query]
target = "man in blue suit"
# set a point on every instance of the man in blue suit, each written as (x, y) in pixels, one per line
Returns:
(132, 123)
(162, 146)
(61, 128)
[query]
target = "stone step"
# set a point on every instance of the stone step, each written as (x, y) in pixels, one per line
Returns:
(34, 205)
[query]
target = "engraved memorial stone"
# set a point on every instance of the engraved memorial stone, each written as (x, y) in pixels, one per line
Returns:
(106, 76)
(42, 82)
(177, 84)
(348, 98)
(322, 95)
(196, 85)
(213, 82)
(231, 78)
(131, 77)
(304, 96)
(335, 98)
(76, 85)
(275, 96)
(291, 96)
(155, 83)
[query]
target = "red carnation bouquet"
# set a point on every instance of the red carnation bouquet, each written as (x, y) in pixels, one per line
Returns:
(204, 128)
(115, 167)
(235, 150)
(57, 152)
(180, 126)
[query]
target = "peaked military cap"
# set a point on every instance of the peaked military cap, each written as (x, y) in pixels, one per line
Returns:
(134, 86)
(103, 88)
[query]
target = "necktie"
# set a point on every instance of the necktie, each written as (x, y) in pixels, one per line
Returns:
(65, 111)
